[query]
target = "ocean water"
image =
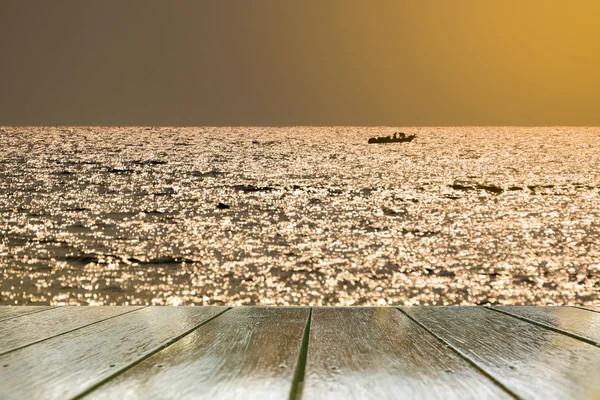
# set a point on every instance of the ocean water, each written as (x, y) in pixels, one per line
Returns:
(307, 215)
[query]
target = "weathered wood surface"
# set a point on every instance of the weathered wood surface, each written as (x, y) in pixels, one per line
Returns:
(33, 328)
(379, 353)
(67, 365)
(271, 352)
(14, 311)
(571, 320)
(247, 353)
(531, 361)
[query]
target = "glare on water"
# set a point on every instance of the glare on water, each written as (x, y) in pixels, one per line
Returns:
(477, 215)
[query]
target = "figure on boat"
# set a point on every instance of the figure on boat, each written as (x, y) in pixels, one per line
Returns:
(398, 137)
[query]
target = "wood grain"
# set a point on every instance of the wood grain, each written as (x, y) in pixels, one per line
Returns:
(248, 353)
(532, 361)
(67, 365)
(28, 329)
(7, 312)
(569, 319)
(379, 353)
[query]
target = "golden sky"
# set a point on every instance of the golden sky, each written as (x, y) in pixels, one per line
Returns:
(300, 62)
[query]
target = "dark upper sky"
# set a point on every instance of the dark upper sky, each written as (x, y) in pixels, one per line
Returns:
(299, 62)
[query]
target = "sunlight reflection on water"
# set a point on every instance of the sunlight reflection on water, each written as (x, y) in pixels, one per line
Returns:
(316, 216)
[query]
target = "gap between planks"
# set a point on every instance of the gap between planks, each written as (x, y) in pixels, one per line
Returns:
(298, 381)
(68, 331)
(29, 313)
(463, 356)
(147, 355)
(586, 309)
(549, 327)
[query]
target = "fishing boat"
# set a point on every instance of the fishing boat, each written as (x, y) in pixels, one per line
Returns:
(397, 138)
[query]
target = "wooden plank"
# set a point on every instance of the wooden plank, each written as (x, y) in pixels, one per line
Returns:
(248, 353)
(574, 321)
(67, 365)
(28, 329)
(379, 353)
(532, 361)
(7, 312)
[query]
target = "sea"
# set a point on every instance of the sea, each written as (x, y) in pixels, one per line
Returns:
(299, 216)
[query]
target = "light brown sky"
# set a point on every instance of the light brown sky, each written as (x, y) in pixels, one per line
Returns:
(299, 62)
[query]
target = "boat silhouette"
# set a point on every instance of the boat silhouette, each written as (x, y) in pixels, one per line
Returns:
(397, 138)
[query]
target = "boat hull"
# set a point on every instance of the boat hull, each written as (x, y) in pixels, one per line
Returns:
(390, 140)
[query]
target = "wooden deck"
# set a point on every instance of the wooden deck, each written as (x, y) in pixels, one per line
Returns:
(299, 352)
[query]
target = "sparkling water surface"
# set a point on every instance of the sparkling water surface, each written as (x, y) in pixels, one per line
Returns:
(307, 216)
